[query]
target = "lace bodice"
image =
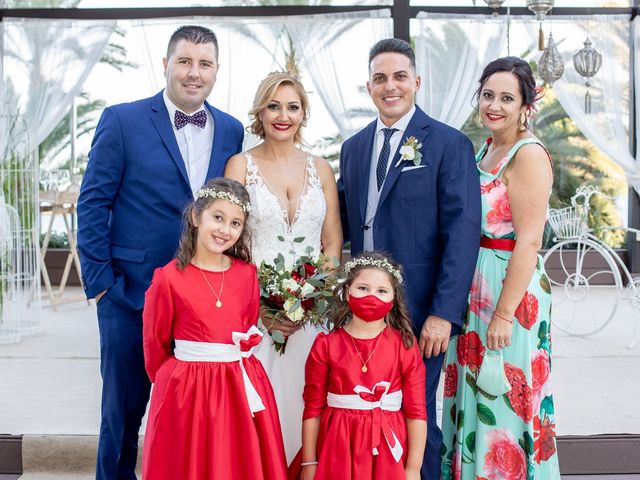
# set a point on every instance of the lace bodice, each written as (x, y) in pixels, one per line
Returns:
(269, 218)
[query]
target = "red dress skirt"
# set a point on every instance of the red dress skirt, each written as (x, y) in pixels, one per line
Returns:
(347, 436)
(201, 425)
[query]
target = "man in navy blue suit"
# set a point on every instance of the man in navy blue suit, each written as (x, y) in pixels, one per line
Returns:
(146, 161)
(409, 187)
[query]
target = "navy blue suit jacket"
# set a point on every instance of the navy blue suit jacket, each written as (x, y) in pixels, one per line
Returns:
(428, 218)
(133, 194)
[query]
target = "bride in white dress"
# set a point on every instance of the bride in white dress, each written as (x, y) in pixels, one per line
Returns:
(293, 195)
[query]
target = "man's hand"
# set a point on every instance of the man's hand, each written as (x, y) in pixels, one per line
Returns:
(100, 295)
(434, 337)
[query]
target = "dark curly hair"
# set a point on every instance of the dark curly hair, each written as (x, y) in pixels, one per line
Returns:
(398, 317)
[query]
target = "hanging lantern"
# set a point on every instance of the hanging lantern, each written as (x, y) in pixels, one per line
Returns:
(587, 63)
(540, 8)
(550, 66)
(495, 4)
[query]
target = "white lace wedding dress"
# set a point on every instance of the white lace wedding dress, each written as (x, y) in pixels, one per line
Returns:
(268, 221)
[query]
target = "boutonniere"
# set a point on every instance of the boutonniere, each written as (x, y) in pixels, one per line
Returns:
(410, 151)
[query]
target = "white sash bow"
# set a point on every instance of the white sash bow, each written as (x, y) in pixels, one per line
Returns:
(242, 347)
(376, 399)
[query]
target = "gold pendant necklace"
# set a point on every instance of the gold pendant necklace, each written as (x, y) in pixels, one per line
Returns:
(218, 295)
(364, 368)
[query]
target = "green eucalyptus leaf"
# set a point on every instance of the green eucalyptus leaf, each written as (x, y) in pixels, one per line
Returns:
(277, 336)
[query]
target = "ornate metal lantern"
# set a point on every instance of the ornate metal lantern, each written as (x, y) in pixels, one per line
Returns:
(495, 4)
(587, 62)
(540, 8)
(550, 66)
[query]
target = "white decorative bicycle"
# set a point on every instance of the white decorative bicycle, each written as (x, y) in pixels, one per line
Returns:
(587, 292)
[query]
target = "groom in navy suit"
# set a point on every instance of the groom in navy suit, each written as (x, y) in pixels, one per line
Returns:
(426, 213)
(146, 161)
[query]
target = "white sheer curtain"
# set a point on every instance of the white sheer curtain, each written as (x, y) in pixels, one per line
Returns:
(607, 126)
(451, 51)
(334, 49)
(45, 63)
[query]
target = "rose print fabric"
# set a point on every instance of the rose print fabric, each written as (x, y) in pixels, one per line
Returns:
(510, 437)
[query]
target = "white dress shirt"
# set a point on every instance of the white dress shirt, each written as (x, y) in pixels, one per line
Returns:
(195, 144)
(374, 195)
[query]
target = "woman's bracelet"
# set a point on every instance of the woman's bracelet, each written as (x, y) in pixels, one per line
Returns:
(306, 464)
(502, 317)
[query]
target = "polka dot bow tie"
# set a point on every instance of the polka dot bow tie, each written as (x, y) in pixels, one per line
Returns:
(199, 119)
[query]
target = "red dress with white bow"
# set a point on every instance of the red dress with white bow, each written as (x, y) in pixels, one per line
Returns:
(392, 389)
(208, 419)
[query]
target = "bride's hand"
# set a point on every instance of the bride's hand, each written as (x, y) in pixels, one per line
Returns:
(271, 322)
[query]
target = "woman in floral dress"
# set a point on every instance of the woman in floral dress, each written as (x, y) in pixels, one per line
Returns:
(508, 436)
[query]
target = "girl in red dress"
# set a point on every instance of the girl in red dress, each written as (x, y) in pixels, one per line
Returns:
(365, 406)
(213, 413)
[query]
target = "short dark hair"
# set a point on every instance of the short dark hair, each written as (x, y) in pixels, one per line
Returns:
(393, 45)
(194, 34)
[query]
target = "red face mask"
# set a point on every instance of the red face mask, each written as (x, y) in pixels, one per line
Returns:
(369, 308)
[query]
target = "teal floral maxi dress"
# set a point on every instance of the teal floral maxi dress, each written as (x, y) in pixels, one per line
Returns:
(510, 437)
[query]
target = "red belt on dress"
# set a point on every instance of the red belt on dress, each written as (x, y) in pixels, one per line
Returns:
(507, 244)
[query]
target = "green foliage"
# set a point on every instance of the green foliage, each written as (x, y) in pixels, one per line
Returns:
(60, 138)
(56, 240)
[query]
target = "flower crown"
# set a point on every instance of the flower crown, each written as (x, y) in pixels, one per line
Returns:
(211, 193)
(373, 262)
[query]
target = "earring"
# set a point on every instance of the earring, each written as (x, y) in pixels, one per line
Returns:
(522, 122)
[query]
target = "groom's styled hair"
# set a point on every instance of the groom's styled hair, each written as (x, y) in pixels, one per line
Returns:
(393, 45)
(194, 34)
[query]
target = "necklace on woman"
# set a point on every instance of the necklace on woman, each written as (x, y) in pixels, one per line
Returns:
(364, 368)
(219, 294)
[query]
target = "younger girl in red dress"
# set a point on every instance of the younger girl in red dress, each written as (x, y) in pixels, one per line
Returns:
(365, 406)
(213, 414)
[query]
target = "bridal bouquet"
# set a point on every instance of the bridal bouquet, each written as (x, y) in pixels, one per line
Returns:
(301, 293)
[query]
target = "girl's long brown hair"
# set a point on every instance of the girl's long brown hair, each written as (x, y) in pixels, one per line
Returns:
(187, 245)
(398, 317)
